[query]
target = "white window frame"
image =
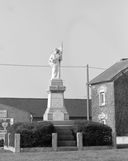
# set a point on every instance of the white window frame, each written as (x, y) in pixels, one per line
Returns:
(102, 100)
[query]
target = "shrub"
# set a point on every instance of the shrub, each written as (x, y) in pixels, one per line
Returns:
(94, 134)
(1, 142)
(34, 134)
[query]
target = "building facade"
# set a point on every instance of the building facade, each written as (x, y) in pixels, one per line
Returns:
(110, 98)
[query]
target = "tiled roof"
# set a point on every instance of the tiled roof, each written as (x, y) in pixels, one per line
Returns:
(37, 106)
(111, 73)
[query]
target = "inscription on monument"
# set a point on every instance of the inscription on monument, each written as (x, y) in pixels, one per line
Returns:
(57, 103)
(57, 100)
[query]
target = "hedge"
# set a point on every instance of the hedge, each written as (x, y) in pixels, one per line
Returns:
(40, 134)
(34, 134)
(94, 134)
(1, 142)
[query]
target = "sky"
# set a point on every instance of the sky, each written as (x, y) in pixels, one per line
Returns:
(93, 32)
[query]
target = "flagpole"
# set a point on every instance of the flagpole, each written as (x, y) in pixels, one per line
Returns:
(87, 85)
(60, 61)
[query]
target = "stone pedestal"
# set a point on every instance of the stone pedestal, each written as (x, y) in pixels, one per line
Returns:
(55, 106)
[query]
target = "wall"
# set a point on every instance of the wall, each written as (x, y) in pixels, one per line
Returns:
(108, 108)
(121, 103)
(18, 115)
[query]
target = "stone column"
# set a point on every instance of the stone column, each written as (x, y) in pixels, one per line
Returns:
(17, 143)
(79, 141)
(54, 141)
(114, 144)
(8, 139)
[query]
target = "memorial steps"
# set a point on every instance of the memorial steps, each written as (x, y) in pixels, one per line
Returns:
(65, 135)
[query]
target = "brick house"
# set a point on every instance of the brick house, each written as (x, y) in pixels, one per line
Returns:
(109, 92)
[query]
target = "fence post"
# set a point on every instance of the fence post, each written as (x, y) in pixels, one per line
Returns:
(54, 141)
(17, 143)
(79, 141)
(114, 140)
(8, 139)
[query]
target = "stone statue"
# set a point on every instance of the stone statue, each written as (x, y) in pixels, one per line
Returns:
(54, 61)
(56, 109)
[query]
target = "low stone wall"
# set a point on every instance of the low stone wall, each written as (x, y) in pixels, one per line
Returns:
(54, 147)
(38, 149)
(50, 149)
(97, 147)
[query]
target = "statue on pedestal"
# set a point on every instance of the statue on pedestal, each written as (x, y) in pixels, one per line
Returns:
(56, 109)
(54, 61)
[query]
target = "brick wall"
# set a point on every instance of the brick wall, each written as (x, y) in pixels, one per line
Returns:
(108, 109)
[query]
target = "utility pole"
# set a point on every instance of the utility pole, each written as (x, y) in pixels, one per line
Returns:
(87, 87)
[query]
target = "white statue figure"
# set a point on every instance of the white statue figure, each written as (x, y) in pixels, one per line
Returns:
(54, 61)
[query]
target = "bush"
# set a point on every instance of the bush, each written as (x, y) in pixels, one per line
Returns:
(94, 134)
(34, 134)
(1, 142)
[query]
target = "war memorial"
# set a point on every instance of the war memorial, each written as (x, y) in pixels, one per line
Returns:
(56, 109)
(65, 133)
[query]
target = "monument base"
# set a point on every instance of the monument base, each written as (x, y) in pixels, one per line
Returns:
(55, 116)
(56, 110)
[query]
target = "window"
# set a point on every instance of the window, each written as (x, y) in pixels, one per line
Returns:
(101, 98)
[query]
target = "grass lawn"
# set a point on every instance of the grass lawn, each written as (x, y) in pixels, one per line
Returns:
(87, 155)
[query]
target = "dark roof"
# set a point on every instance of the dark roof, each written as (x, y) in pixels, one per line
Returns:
(111, 73)
(37, 106)
(77, 107)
